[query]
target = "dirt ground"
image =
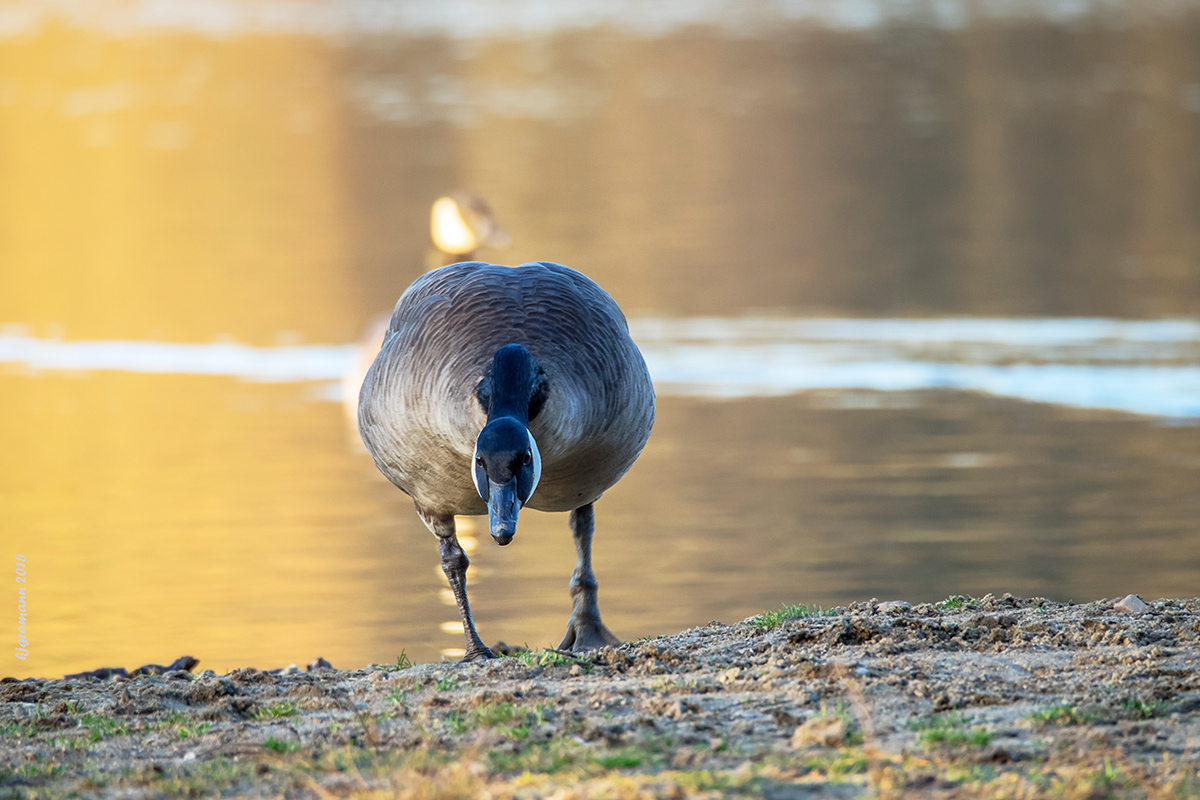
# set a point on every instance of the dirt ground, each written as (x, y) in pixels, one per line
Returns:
(989, 697)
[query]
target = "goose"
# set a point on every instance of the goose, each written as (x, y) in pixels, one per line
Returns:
(459, 224)
(499, 388)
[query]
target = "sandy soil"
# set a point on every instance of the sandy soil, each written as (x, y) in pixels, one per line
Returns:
(995, 697)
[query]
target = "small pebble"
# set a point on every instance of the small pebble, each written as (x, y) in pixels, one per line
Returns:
(731, 674)
(824, 731)
(894, 606)
(1131, 604)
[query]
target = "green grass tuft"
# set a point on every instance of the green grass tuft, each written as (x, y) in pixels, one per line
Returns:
(545, 758)
(950, 730)
(626, 760)
(18, 730)
(102, 727)
(957, 602)
(1063, 715)
(457, 722)
(189, 732)
(277, 711)
(518, 732)
(496, 714)
(552, 658)
(770, 620)
(1105, 780)
(402, 662)
(1140, 709)
(276, 746)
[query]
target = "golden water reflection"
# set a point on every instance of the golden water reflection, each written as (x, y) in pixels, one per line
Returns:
(234, 522)
(271, 187)
(173, 188)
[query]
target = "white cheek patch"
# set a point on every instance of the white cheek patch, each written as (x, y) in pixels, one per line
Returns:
(537, 464)
(479, 487)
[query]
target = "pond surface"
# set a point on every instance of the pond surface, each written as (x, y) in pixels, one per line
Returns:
(919, 287)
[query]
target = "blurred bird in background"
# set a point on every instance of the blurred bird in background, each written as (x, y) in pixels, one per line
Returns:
(459, 224)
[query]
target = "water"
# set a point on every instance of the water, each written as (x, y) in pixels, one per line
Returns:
(1149, 368)
(917, 285)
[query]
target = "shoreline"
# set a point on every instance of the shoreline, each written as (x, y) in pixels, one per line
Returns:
(1005, 697)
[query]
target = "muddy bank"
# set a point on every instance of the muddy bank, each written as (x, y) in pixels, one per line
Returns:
(1005, 697)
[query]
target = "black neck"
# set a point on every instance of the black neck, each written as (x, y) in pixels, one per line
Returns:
(512, 377)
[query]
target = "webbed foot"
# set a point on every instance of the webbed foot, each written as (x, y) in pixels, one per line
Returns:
(480, 653)
(590, 635)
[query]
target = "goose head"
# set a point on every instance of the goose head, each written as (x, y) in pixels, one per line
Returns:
(507, 469)
(507, 465)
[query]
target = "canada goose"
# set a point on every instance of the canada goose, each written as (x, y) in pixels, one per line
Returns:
(461, 223)
(503, 387)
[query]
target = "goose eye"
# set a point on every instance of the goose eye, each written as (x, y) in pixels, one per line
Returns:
(528, 459)
(479, 461)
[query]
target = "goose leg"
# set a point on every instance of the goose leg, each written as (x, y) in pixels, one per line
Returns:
(454, 564)
(585, 631)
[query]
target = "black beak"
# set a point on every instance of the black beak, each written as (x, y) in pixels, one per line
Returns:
(503, 506)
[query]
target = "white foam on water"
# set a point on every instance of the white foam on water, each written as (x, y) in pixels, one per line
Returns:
(1149, 367)
(471, 19)
(1044, 332)
(735, 372)
(270, 364)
